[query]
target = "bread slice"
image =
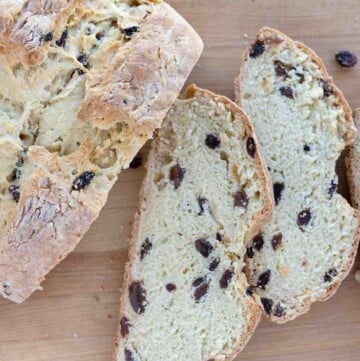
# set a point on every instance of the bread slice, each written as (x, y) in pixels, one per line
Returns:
(303, 123)
(353, 165)
(83, 85)
(185, 296)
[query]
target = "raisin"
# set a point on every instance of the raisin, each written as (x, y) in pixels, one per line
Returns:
(212, 141)
(214, 264)
(6, 286)
(198, 281)
(267, 304)
(280, 68)
(200, 292)
(306, 148)
(278, 188)
(330, 274)
(136, 162)
(287, 92)
(15, 192)
(100, 35)
(332, 188)
(83, 180)
(137, 297)
(84, 60)
(124, 326)
(177, 175)
(241, 199)
(145, 248)
(218, 237)
(258, 242)
(327, 89)
(226, 278)
(301, 76)
(250, 252)
(346, 58)
(62, 41)
(170, 287)
(250, 291)
(279, 310)
(251, 147)
(128, 32)
(15, 174)
(203, 246)
(276, 241)
(304, 217)
(264, 279)
(257, 49)
(204, 205)
(129, 355)
(49, 36)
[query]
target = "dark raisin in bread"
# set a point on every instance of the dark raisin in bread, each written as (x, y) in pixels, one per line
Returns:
(83, 85)
(303, 123)
(185, 296)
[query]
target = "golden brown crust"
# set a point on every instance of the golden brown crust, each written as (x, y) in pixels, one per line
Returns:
(48, 223)
(116, 92)
(268, 34)
(258, 220)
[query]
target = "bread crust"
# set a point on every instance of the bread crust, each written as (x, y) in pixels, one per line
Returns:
(50, 218)
(349, 137)
(351, 166)
(258, 220)
(116, 93)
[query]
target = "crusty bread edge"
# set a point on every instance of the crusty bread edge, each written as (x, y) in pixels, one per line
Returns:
(259, 219)
(350, 155)
(350, 136)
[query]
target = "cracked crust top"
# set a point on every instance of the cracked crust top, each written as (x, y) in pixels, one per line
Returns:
(75, 109)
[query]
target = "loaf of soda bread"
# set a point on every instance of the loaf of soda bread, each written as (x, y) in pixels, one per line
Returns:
(83, 85)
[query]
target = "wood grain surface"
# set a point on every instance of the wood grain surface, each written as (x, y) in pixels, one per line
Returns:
(75, 317)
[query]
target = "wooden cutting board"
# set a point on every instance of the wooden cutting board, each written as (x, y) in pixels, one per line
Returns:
(75, 317)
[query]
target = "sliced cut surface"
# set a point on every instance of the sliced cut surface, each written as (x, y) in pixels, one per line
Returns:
(303, 123)
(353, 165)
(83, 85)
(185, 295)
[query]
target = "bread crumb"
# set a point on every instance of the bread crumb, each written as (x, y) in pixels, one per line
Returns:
(283, 270)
